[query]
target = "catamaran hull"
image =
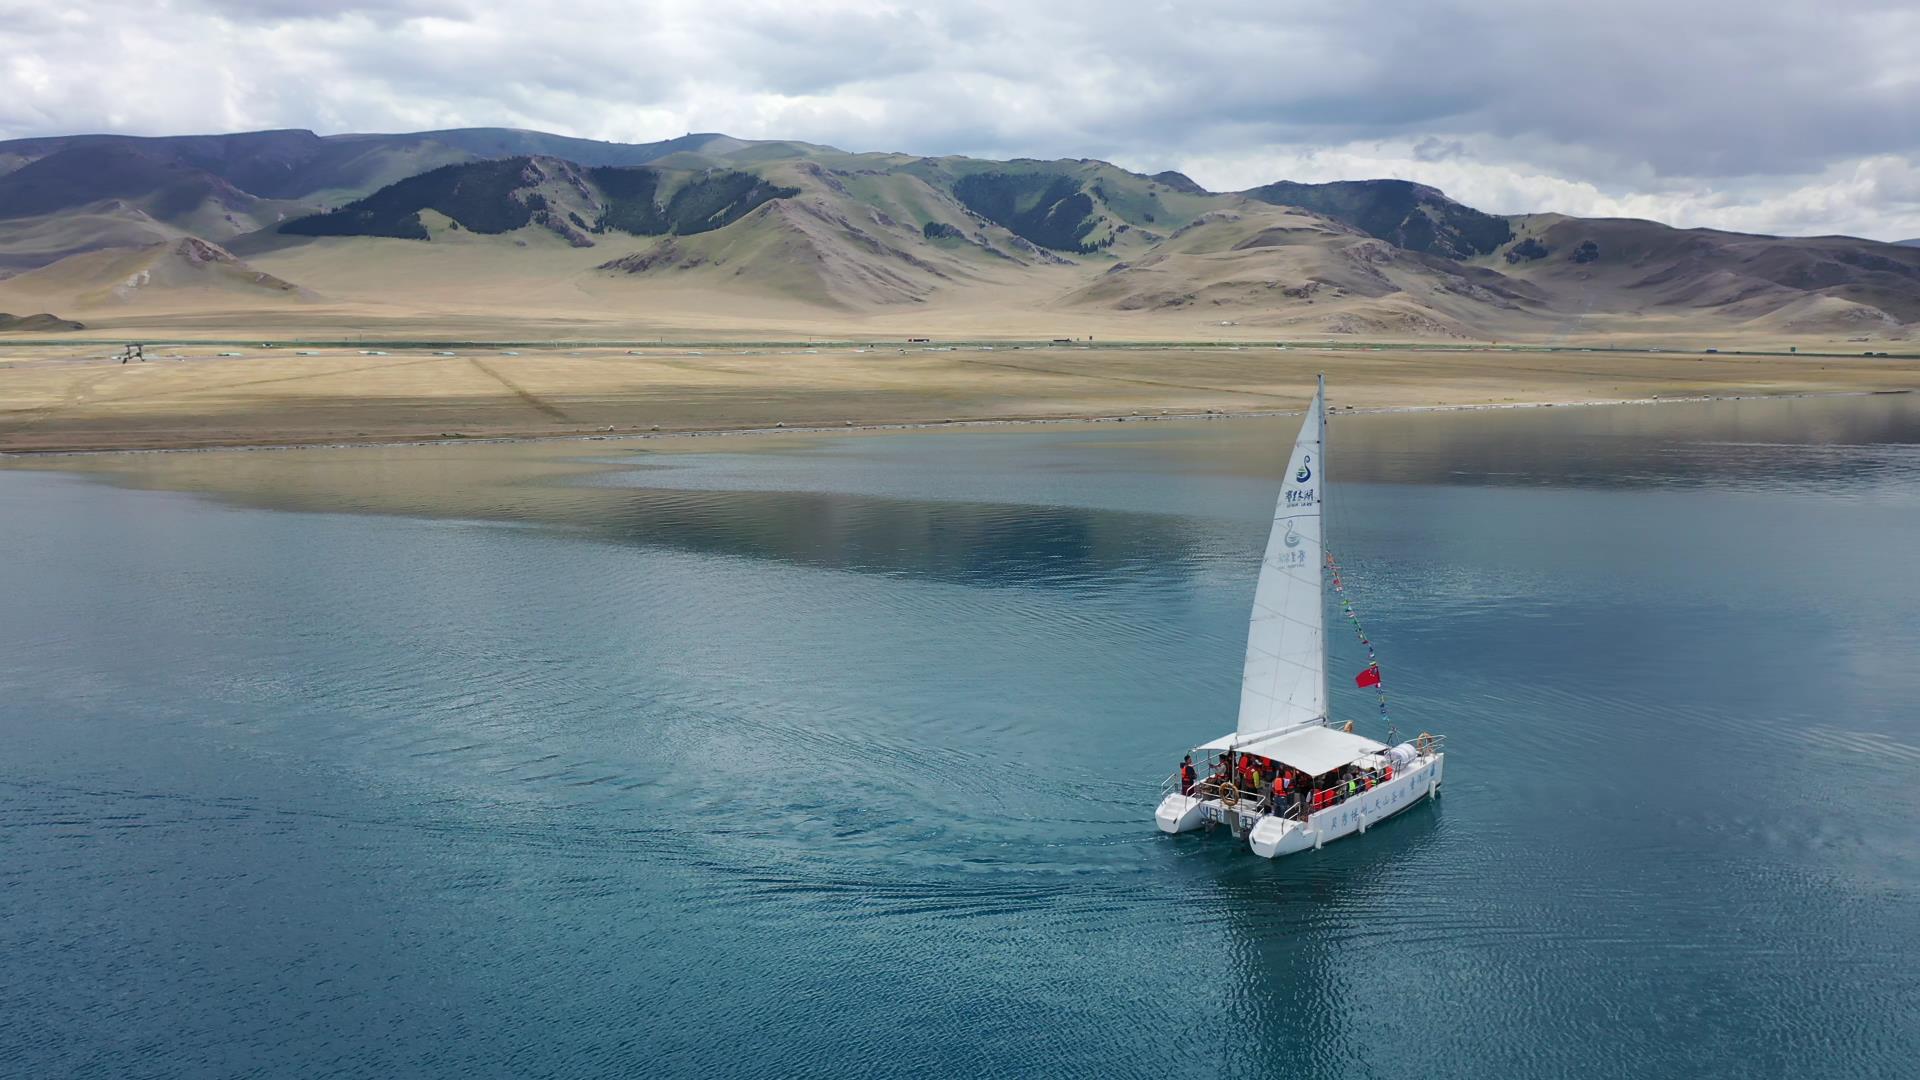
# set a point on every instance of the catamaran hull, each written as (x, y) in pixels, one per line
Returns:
(1273, 837)
(1183, 813)
(1178, 813)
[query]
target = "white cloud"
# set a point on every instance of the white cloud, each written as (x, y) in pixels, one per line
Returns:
(1785, 118)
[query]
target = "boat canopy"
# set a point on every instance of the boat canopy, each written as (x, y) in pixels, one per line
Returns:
(1315, 749)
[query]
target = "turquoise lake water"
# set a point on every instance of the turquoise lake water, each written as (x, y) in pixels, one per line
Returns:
(837, 755)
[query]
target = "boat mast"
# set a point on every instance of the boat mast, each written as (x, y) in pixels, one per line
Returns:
(1320, 497)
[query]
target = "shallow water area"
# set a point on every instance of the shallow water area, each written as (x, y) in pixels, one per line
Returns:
(836, 754)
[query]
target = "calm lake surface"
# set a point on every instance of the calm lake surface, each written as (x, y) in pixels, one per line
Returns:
(837, 755)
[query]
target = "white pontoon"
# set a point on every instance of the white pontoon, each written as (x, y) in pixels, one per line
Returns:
(1338, 783)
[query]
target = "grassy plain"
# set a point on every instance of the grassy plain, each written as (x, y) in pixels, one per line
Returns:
(75, 397)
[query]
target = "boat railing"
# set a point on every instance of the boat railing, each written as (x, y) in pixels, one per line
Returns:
(1243, 798)
(1296, 808)
(1426, 744)
(1212, 787)
(1363, 781)
(1300, 805)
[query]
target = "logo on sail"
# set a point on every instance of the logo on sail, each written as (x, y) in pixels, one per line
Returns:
(1292, 539)
(1305, 474)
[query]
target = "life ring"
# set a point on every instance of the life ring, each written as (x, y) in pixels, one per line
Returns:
(1229, 794)
(1424, 744)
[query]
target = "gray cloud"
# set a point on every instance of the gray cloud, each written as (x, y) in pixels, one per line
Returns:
(1786, 118)
(273, 11)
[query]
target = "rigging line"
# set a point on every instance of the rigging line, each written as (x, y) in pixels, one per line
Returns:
(1335, 518)
(1346, 605)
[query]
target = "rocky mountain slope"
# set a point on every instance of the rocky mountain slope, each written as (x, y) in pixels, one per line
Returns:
(1405, 214)
(101, 223)
(569, 199)
(62, 196)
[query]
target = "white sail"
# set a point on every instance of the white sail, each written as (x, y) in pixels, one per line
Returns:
(1284, 682)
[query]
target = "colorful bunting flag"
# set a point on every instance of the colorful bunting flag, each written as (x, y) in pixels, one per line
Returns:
(1370, 676)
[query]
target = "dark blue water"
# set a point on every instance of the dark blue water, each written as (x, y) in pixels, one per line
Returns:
(837, 756)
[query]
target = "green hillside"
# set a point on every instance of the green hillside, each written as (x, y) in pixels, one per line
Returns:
(492, 197)
(1408, 215)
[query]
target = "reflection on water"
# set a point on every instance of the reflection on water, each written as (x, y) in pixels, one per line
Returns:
(1714, 443)
(836, 754)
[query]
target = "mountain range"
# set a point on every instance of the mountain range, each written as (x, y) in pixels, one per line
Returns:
(445, 228)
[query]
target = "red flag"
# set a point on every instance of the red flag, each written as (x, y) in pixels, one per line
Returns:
(1369, 677)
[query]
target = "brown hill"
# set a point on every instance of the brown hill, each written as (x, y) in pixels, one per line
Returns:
(85, 177)
(1625, 267)
(41, 323)
(26, 243)
(179, 274)
(806, 248)
(846, 241)
(1300, 273)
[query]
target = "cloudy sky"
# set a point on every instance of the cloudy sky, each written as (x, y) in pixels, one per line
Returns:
(1758, 115)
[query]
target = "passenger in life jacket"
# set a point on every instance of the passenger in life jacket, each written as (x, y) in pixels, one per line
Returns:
(1322, 795)
(1186, 775)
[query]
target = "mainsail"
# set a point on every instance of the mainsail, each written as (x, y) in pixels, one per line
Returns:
(1285, 677)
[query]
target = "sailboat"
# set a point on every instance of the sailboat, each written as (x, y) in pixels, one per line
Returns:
(1286, 778)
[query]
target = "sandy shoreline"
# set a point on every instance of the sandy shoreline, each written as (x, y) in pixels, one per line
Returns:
(79, 403)
(905, 426)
